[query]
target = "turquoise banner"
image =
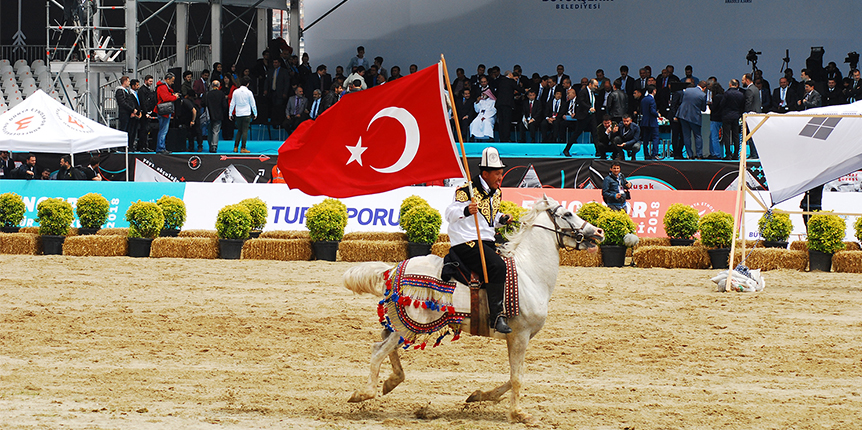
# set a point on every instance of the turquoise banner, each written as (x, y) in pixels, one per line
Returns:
(120, 195)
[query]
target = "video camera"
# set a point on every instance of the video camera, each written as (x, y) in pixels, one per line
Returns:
(752, 56)
(852, 59)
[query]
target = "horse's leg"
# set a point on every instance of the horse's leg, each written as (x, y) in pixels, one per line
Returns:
(378, 352)
(493, 395)
(517, 343)
(397, 375)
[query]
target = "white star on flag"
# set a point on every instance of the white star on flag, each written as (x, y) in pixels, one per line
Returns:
(356, 152)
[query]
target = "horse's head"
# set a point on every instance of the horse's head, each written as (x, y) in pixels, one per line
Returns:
(572, 231)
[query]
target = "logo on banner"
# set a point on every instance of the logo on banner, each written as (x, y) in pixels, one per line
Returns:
(820, 127)
(195, 162)
(73, 121)
(25, 122)
(577, 4)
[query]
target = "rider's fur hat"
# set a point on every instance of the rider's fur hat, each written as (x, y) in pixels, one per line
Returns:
(491, 159)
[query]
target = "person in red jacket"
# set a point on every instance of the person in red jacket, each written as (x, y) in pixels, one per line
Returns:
(164, 95)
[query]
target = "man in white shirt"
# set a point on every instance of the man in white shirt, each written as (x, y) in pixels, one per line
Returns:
(359, 60)
(242, 111)
(484, 201)
(315, 105)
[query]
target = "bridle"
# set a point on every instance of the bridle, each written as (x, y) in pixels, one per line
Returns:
(576, 233)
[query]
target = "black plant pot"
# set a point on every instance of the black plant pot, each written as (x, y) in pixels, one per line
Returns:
(254, 234)
(613, 255)
(416, 249)
(819, 261)
(13, 229)
(140, 246)
(719, 257)
(325, 250)
(52, 245)
(681, 242)
(230, 249)
(169, 232)
(774, 244)
(87, 231)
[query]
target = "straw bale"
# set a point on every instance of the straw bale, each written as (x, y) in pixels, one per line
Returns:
(671, 257)
(96, 246)
(440, 249)
(286, 234)
(375, 235)
(113, 232)
(571, 257)
(852, 246)
(653, 241)
(773, 258)
(372, 250)
(442, 238)
(33, 230)
(20, 243)
(847, 261)
(277, 249)
(185, 247)
(799, 245)
(207, 234)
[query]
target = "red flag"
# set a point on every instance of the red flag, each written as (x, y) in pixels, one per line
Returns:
(376, 140)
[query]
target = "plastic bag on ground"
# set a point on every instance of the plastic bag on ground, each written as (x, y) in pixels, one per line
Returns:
(740, 282)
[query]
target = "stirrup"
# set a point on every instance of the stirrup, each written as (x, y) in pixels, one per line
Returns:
(500, 325)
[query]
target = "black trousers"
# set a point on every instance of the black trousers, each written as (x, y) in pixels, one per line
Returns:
(582, 125)
(496, 271)
(504, 122)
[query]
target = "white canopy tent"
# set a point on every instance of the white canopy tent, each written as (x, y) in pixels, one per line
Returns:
(42, 124)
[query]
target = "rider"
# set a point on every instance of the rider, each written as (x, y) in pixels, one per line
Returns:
(486, 200)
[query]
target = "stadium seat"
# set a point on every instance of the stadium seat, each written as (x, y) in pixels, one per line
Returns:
(8, 80)
(20, 63)
(3, 109)
(5, 62)
(22, 70)
(14, 101)
(5, 68)
(144, 63)
(24, 75)
(197, 66)
(36, 63)
(28, 91)
(26, 81)
(38, 70)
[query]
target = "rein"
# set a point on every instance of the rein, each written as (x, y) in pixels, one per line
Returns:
(576, 233)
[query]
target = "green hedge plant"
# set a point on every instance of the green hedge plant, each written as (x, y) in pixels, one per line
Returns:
(146, 220)
(258, 211)
(11, 209)
(92, 210)
(616, 224)
(54, 217)
(716, 230)
(410, 203)
(516, 212)
(858, 227)
(826, 233)
(775, 227)
(680, 221)
(233, 222)
(422, 224)
(174, 210)
(326, 220)
(590, 212)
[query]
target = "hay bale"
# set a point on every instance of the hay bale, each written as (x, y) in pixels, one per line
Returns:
(277, 249)
(113, 232)
(442, 238)
(185, 247)
(847, 261)
(96, 246)
(440, 249)
(851, 246)
(653, 241)
(372, 250)
(208, 234)
(773, 258)
(33, 230)
(375, 235)
(20, 243)
(286, 234)
(571, 257)
(799, 245)
(671, 257)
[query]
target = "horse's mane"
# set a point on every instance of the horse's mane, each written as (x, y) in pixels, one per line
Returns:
(508, 250)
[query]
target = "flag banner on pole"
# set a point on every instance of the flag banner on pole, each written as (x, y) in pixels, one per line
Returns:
(802, 150)
(386, 137)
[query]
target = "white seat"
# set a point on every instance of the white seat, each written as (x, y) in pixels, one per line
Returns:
(197, 66)
(44, 76)
(144, 63)
(8, 80)
(24, 75)
(3, 109)
(5, 68)
(11, 90)
(78, 76)
(28, 91)
(20, 63)
(38, 62)
(38, 70)
(23, 69)
(5, 62)
(14, 101)
(27, 81)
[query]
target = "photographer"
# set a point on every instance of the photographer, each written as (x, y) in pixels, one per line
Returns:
(615, 188)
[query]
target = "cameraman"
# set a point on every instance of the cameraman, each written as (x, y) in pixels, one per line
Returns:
(615, 188)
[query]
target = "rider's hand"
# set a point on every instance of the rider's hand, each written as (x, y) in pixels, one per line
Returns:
(471, 209)
(506, 219)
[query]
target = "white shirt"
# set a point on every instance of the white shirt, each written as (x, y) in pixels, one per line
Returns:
(462, 228)
(242, 102)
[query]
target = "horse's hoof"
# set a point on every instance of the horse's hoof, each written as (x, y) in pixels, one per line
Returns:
(357, 397)
(475, 397)
(521, 417)
(389, 385)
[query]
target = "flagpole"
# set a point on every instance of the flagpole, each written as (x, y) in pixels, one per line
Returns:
(466, 166)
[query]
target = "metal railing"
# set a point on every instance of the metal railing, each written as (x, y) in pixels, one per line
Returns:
(30, 53)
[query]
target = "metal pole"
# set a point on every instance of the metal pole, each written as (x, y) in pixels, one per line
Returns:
(182, 35)
(132, 38)
(216, 30)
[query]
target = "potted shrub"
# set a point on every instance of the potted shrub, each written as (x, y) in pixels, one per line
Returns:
(410, 203)
(258, 211)
(590, 212)
(775, 228)
(174, 210)
(233, 224)
(716, 232)
(422, 225)
(680, 224)
(616, 224)
(92, 211)
(11, 212)
(326, 222)
(825, 236)
(146, 221)
(516, 212)
(858, 227)
(54, 217)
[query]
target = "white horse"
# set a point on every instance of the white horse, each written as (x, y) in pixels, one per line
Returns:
(546, 228)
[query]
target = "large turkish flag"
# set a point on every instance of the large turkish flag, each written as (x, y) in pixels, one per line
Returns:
(386, 137)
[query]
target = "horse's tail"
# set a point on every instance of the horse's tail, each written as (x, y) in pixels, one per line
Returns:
(366, 278)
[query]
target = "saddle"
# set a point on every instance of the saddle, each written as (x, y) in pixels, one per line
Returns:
(454, 268)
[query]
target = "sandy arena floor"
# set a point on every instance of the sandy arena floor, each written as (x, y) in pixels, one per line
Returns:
(122, 343)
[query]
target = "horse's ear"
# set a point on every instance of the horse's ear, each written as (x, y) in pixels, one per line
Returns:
(544, 197)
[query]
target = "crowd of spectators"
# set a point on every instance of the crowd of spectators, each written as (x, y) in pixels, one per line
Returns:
(28, 169)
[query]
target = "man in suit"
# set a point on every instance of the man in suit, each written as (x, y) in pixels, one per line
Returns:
(296, 110)
(585, 113)
(732, 106)
(7, 165)
(752, 104)
(531, 119)
(604, 136)
(649, 121)
(148, 102)
(627, 85)
(763, 91)
(216, 104)
(626, 138)
(275, 90)
(200, 86)
(564, 86)
(811, 99)
(641, 83)
(480, 72)
(617, 102)
(466, 113)
(314, 104)
(784, 98)
(854, 93)
(125, 106)
(507, 89)
(331, 97)
(545, 92)
(833, 95)
(664, 94)
(675, 126)
(319, 80)
(554, 112)
(135, 118)
(561, 75)
(689, 115)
